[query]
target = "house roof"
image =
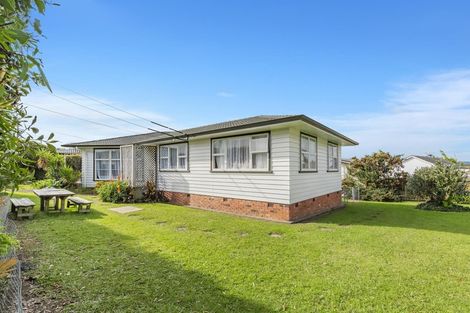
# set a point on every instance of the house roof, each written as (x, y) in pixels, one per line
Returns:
(429, 158)
(260, 120)
(67, 151)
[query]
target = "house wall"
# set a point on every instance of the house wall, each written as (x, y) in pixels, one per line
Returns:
(87, 167)
(305, 185)
(411, 164)
(344, 170)
(268, 187)
(284, 185)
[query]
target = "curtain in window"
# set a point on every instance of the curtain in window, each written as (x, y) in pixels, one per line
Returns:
(332, 157)
(308, 150)
(241, 153)
(107, 164)
(238, 153)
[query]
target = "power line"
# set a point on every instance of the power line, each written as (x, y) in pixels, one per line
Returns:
(121, 110)
(98, 111)
(76, 117)
(69, 135)
(109, 115)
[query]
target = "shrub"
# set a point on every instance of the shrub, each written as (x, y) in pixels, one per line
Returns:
(67, 176)
(463, 199)
(74, 161)
(56, 169)
(45, 183)
(440, 185)
(115, 191)
(434, 206)
(379, 177)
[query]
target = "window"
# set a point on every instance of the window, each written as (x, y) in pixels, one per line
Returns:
(107, 164)
(241, 153)
(333, 159)
(174, 157)
(308, 153)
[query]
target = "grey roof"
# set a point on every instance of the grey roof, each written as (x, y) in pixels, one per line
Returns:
(254, 121)
(67, 151)
(429, 158)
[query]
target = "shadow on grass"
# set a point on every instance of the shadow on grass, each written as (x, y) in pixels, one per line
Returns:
(112, 272)
(404, 215)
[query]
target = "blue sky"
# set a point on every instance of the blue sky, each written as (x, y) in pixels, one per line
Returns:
(394, 75)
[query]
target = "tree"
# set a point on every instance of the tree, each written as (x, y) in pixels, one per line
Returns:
(20, 66)
(380, 176)
(439, 184)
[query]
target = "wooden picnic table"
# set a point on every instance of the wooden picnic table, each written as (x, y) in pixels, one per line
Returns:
(46, 194)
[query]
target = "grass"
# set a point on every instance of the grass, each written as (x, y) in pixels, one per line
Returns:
(369, 257)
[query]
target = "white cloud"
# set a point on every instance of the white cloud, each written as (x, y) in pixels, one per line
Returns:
(225, 94)
(419, 117)
(69, 129)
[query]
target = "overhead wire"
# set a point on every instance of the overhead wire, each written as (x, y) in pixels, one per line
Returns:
(78, 118)
(118, 118)
(121, 110)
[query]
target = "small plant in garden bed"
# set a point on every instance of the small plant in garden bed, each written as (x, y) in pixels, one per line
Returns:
(115, 191)
(151, 194)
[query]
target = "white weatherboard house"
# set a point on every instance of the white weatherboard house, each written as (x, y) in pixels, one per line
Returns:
(283, 168)
(414, 162)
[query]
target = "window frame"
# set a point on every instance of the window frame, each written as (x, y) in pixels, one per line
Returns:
(267, 170)
(328, 169)
(168, 146)
(110, 159)
(301, 170)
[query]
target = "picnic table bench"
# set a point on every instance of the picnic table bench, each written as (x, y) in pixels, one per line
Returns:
(22, 207)
(83, 205)
(46, 194)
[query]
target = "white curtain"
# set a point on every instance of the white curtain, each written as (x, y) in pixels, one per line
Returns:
(238, 153)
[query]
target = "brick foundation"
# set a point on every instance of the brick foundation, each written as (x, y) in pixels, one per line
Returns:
(273, 211)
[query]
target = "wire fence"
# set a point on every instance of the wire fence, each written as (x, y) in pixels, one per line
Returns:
(10, 285)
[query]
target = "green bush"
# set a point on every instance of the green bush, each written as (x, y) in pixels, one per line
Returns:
(6, 242)
(45, 183)
(379, 177)
(434, 206)
(115, 191)
(67, 176)
(74, 161)
(56, 169)
(440, 185)
(463, 199)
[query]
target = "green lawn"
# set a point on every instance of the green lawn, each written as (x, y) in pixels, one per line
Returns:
(369, 257)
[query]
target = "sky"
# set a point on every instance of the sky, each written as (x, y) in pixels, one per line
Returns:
(392, 75)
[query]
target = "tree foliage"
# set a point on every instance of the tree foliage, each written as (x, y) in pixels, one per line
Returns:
(379, 177)
(440, 184)
(20, 66)
(58, 173)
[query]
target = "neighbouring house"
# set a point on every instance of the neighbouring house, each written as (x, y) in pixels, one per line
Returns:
(344, 167)
(413, 162)
(68, 151)
(284, 168)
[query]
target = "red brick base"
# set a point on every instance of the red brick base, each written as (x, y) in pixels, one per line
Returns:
(267, 210)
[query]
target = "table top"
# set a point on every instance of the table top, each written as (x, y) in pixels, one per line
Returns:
(52, 192)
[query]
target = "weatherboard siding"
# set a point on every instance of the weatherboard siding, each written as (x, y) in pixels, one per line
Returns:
(87, 167)
(305, 185)
(268, 187)
(283, 185)
(411, 164)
